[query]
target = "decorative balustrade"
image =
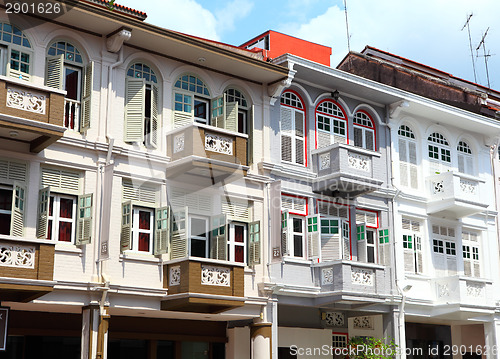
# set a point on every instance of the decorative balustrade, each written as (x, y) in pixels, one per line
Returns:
(346, 170)
(71, 114)
(455, 194)
(19, 256)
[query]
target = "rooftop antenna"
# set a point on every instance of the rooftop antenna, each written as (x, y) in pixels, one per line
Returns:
(347, 26)
(485, 55)
(470, 45)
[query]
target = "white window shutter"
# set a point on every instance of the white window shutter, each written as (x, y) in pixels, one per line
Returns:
(324, 139)
(313, 236)
(461, 163)
(361, 243)
(331, 243)
(154, 124)
(179, 234)
(286, 134)
(182, 118)
(254, 253)
(369, 140)
(84, 215)
(88, 86)
(346, 239)
(231, 122)
(162, 230)
(54, 72)
(451, 264)
(135, 97)
(18, 208)
(126, 232)
(409, 254)
(250, 129)
(439, 263)
(358, 136)
(218, 237)
(286, 232)
(384, 250)
(419, 258)
(43, 212)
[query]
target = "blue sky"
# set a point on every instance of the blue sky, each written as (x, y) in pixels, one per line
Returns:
(426, 31)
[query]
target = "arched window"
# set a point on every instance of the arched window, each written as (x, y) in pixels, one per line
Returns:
(465, 159)
(407, 147)
(191, 101)
(439, 153)
(15, 52)
(292, 121)
(331, 124)
(141, 105)
(364, 131)
(231, 111)
(66, 71)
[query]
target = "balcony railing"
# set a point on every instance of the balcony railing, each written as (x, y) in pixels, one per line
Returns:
(29, 261)
(32, 114)
(344, 170)
(71, 114)
(206, 152)
(454, 194)
(198, 285)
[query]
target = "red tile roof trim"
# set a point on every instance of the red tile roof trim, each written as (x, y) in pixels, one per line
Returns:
(123, 9)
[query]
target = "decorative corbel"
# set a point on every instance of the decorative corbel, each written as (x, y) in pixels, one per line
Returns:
(274, 89)
(396, 107)
(116, 39)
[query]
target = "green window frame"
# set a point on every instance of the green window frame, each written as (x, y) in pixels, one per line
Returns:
(383, 236)
(330, 226)
(407, 241)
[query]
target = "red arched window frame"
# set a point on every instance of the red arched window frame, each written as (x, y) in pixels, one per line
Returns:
(344, 118)
(372, 127)
(303, 109)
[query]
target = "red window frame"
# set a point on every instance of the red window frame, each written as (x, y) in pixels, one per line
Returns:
(316, 119)
(372, 128)
(303, 109)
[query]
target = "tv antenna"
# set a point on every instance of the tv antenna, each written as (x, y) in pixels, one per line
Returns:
(347, 26)
(470, 44)
(485, 55)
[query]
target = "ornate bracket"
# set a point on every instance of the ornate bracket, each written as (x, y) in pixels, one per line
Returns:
(275, 89)
(115, 40)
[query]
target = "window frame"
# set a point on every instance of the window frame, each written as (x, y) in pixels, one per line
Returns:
(442, 150)
(232, 244)
(55, 206)
(293, 131)
(464, 151)
(136, 231)
(365, 129)
(206, 239)
(302, 234)
(9, 46)
(332, 118)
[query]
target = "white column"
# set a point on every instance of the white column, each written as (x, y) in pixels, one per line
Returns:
(260, 339)
(492, 337)
(238, 344)
(456, 339)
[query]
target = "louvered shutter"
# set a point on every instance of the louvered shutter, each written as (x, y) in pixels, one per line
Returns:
(286, 134)
(84, 224)
(231, 122)
(384, 252)
(331, 244)
(468, 263)
(369, 140)
(254, 243)
(324, 139)
(250, 130)
(54, 72)
(43, 213)
(361, 243)
(465, 164)
(162, 230)
(286, 232)
(412, 156)
(154, 129)
(126, 232)
(451, 264)
(299, 138)
(358, 136)
(403, 163)
(313, 236)
(179, 236)
(439, 262)
(276, 226)
(18, 208)
(409, 254)
(346, 239)
(218, 111)
(135, 97)
(61, 180)
(419, 259)
(88, 86)
(218, 237)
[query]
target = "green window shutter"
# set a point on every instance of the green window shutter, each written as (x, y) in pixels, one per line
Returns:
(135, 97)
(346, 239)
(384, 254)
(154, 121)
(285, 232)
(219, 111)
(88, 85)
(361, 242)
(218, 237)
(179, 238)
(43, 212)
(254, 243)
(126, 233)
(162, 230)
(54, 72)
(313, 236)
(231, 116)
(18, 207)
(84, 224)
(250, 129)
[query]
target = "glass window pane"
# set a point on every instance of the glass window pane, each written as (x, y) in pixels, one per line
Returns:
(144, 220)
(66, 208)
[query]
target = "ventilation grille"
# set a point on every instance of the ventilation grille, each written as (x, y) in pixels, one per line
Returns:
(236, 210)
(369, 218)
(294, 204)
(144, 193)
(197, 202)
(62, 180)
(13, 171)
(410, 225)
(333, 209)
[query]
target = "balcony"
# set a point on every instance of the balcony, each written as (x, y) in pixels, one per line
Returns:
(341, 281)
(26, 269)
(346, 171)
(454, 195)
(203, 286)
(30, 114)
(204, 155)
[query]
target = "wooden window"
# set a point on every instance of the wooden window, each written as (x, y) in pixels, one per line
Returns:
(407, 147)
(331, 124)
(364, 131)
(293, 129)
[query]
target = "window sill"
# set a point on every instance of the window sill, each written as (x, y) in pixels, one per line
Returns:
(68, 248)
(140, 257)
